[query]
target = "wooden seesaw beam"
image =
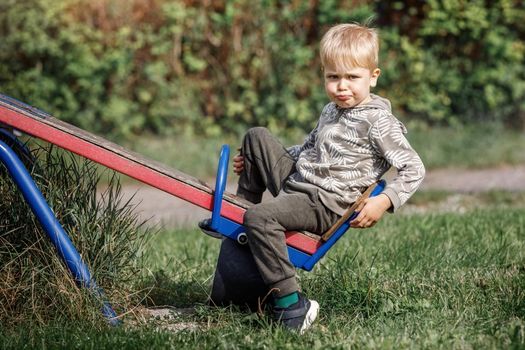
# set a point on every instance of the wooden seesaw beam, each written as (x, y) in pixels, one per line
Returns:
(39, 124)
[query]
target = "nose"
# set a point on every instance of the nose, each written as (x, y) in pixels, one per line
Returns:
(342, 84)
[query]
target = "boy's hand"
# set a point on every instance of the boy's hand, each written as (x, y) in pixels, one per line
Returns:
(238, 164)
(370, 211)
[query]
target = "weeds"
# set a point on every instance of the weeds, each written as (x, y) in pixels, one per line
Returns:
(35, 285)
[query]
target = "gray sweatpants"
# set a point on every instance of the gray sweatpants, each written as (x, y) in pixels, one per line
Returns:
(267, 165)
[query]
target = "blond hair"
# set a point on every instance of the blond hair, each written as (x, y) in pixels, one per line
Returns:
(350, 45)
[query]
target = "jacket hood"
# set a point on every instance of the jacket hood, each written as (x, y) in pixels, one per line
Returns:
(379, 102)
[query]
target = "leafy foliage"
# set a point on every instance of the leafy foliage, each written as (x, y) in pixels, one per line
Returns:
(456, 61)
(120, 67)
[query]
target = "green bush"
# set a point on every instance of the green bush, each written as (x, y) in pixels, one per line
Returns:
(455, 61)
(121, 67)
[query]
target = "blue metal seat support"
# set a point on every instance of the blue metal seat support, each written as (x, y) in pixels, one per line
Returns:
(236, 231)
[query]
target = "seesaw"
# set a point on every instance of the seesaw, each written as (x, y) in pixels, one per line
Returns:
(304, 249)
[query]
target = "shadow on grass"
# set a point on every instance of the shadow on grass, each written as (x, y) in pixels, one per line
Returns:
(514, 289)
(161, 289)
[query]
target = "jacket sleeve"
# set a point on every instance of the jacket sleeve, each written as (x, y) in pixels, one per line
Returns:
(388, 140)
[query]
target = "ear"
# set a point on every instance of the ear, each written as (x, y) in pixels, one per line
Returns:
(374, 76)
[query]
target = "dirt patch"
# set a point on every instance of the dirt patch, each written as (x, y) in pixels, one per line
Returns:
(164, 209)
(169, 319)
(510, 178)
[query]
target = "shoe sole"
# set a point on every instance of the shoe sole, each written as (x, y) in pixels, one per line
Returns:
(212, 234)
(204, 225)
(310, 317)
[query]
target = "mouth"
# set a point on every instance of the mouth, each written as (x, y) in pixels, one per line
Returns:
(343, 97)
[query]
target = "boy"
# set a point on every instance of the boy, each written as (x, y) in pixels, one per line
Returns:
(355, 142)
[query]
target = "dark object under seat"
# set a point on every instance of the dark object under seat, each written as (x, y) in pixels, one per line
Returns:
(237, 280)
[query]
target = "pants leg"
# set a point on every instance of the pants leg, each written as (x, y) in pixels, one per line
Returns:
(265, 226)
(239, 277)
(267, 164)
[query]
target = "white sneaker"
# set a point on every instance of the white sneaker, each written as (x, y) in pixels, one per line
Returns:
(298, 316)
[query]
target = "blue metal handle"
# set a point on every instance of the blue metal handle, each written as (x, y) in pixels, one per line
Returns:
(52, 227)
(220, 186)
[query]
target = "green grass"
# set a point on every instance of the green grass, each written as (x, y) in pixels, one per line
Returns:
(475, 199)
(474, 146)
(414, 281)
(465, 147)
(443, 281)
(469, 147)
(194, 156)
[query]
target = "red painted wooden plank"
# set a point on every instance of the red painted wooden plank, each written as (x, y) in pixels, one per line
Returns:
(35, 127)
(302, 242)
(118, 163)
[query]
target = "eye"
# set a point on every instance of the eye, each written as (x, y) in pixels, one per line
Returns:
(332, 76)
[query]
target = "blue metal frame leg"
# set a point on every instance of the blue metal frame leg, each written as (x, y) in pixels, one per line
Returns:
(52, 227)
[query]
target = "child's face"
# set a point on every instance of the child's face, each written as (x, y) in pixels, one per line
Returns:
(349, 87)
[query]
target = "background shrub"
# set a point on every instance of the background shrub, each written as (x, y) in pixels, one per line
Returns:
(455, 61)
(122, 67)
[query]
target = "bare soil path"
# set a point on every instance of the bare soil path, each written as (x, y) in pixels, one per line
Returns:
(171, 212)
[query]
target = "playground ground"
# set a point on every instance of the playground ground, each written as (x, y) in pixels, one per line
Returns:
(459, 188)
